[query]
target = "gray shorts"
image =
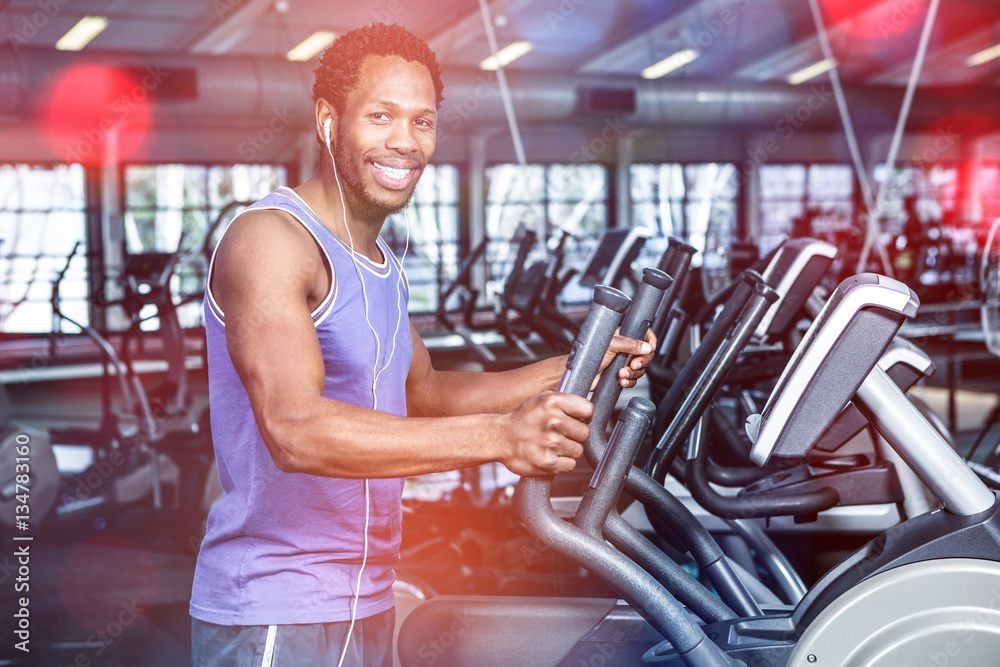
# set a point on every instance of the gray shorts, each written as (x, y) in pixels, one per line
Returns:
(312, 645)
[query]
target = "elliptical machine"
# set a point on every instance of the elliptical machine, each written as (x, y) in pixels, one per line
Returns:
(921, 590)
(559, 630)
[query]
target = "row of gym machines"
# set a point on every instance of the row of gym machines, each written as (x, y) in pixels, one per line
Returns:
(149, 447)
(527, 318)
(919, 592)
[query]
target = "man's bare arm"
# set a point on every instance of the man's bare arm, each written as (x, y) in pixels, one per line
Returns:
(264, 273)
(441, 393)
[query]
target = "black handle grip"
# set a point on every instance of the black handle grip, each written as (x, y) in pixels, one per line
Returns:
(645, 302)
(592, 342)
(609, 476)
(637, 321)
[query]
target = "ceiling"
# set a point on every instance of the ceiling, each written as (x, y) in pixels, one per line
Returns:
(745, 41)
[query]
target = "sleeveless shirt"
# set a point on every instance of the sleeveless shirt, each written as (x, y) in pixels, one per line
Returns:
(284, 548)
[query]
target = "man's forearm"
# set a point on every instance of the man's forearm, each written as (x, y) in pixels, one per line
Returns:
(468, 393)
(334, 439)
(338, 440)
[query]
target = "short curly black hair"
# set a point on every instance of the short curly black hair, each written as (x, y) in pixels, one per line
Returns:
(340, 65)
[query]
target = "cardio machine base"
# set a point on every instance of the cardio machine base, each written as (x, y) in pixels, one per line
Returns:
(929, 612)
(461, 630)
(917, 552)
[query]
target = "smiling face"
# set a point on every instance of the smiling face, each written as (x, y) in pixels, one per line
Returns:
(385, 136)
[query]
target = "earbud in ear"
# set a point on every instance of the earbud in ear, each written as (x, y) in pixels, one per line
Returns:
(326, 130)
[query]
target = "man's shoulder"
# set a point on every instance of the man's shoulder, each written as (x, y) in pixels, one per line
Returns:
(267, 226)
(262, 241)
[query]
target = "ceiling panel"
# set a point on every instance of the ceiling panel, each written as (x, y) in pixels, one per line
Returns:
(874, 41)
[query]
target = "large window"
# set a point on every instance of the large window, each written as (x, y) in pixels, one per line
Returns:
(684, 201)
(165, 201)
(546, 199)
(41, 221)
(804, 200)
(549, 200)
(934, 187)
(432, 257)
(929, 243)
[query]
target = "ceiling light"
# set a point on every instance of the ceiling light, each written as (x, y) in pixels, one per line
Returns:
(983, 56)
(79, 36)
(311, 45)
(506, 56)
(669, 64)
(812, 71)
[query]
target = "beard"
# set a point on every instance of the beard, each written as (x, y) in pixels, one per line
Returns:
(361, 201)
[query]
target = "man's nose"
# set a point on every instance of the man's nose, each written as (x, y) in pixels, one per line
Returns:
(402, 138)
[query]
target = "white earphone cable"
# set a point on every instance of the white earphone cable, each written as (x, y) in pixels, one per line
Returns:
(376, 371)
(364, 296)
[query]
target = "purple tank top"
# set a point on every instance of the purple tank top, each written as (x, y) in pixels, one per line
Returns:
(284, 548)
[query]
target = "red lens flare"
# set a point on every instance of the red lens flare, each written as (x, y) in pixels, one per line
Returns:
(873, 19)
(87, 103)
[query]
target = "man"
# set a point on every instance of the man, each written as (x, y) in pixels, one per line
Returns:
(323, 396)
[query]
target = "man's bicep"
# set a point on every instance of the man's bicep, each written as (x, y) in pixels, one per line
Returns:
(269, 329)
(276, 353)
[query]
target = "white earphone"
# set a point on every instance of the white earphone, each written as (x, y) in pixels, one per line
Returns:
(376, 371)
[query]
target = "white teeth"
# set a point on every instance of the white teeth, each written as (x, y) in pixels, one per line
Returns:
(394, 174)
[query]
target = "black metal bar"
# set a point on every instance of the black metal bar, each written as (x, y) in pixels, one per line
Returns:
(591, 344)
(720, 354)
(636, 322)
(741, 293)
(609, 476)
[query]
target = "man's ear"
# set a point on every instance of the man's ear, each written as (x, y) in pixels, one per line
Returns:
(325, 122)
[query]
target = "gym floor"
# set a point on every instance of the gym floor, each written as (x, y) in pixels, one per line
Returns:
(115, 598)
